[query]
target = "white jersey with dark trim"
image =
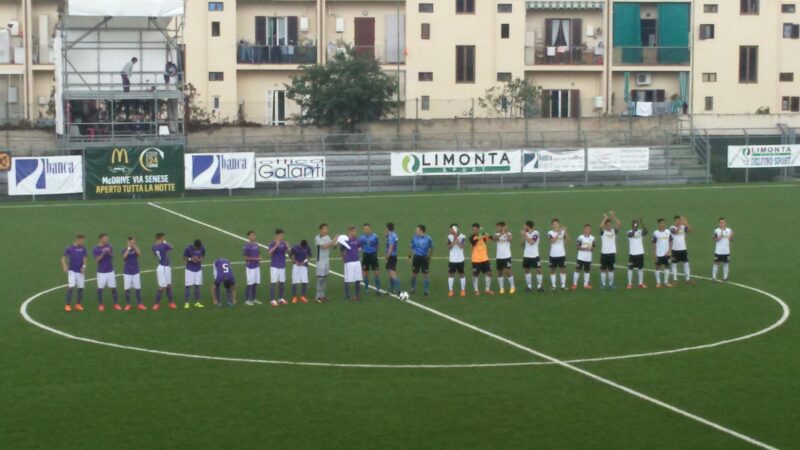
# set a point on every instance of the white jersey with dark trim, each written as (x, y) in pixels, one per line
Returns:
(531, 250)
(723, 244)
(557, 247)
(662, 240)
(585, 246)
(635, 246)
(608, 241)
(678, 237)
(456, 251)
(503, 250)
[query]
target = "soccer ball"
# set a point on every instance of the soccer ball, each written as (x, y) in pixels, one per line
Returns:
(403, 296)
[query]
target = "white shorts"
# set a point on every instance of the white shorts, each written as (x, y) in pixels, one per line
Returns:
(105, 280)
(131, 281)
(299, 274)
(323, 268)
(164, 276)
(193, 278)
(75, 279)
(253, 275)
(352, 272)
(277, 275)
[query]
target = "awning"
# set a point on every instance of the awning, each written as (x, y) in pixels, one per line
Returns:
(564, 4)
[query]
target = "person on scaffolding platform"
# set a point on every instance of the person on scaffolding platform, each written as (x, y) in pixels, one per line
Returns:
(170, 70)
(126, 73)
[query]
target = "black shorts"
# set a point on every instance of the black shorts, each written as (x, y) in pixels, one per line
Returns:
(369, 261)
(227, 283)
(558, 262)
(584, 266)
(481, 267)
(636, 261)
(721, 258)
(420, 264)
(607, 261)
(662, 261)
(680, 256)
(391, 263)
(531, 263)
(503, 264)
(455, 267)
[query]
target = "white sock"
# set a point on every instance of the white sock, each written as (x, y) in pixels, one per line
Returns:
(463, 283)
(575, 277)
(488, 282)
(714, 270)
(658, 276)
(539, 280)
(641, 276)
(630, 276)
(666, 276)
(587, 276)
(563, 280)
(475, 283)
(528, 281)
(674, 272)
(725, 271)
(611, 278)
(553, 280)
(501, 281)
(511, 282)
(687, 271)
(602, 278)
(450, 283)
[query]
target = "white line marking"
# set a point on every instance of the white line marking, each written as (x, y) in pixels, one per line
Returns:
(100, 203)
(564, 364)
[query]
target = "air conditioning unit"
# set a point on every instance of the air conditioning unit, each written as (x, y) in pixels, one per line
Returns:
(43, 101)
(598, 102)
(590, 31)
(304, 24)
(644, 79)
(13, 27)
(340, 24)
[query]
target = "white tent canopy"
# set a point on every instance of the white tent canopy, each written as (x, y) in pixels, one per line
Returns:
(118, 8)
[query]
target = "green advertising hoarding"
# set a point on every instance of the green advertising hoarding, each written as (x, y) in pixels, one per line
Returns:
(136, 170)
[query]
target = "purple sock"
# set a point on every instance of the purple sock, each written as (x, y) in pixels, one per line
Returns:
(158, 297)
(169, 293)
(358, 288)
(186, 291)
(138, 296)
(294, 290)
(80, 296)
(197, 293)
(228, 295)
(303, 289)
(69, 295)
(114, 295)
(280, 289)
(216, 292)
(248, 292)
(254, 296)
(347, 290)
(100, 296)
(128, 296)
(272, 291)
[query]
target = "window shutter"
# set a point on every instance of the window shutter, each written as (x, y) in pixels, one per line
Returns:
(291, 29)
(576, 38)
(261, 30)
(546, 95)
(574, 103)
(548, 32)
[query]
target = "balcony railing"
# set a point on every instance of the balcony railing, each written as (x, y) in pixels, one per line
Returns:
(551, 55)
(276, 54)
(652, 56)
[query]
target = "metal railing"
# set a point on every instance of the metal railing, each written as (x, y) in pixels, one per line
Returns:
(275, 54)
(651, 56)
(140, 81)
(565, 55)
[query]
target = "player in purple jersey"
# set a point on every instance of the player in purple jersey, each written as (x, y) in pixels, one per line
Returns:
(103, 254)
(223, 275)
(277, 267)
(300, 254)
(193, 256)
(252, 271)
(131, 277)
(73, 262)
(161, 251)
(351, 251)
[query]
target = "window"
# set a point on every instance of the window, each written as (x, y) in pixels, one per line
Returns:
(505, 30)
(710, 77)
(465, 63)
(786, 76)
(425, 32)
(788, 9)
(503, 77)
(749, 6)
(709, 104)
(563, 103)
(426, 7)
(214, 29)
(465, 6)
(710, 8)
(706, 31)
(649, 95)
(425, 103)
(216, 76)
(790, 104)
(215, 102)
(425, 76)
(215, 6)
(563, 33)
(748, 64)
(505, 8)
(791, 31)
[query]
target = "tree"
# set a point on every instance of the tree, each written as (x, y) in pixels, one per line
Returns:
(348, 90)
(517, 98)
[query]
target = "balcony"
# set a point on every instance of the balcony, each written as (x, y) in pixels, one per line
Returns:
(276, 54)
(651, 56)
(541, 55)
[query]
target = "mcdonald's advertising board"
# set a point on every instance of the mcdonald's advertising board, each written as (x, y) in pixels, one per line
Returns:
(134, 171)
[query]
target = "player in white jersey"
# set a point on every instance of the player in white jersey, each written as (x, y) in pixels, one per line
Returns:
(723, 237)
(679, 229)
(585, 244)
(503, 258)
(455, 242)
(609, 228)
(558, 254)
(530, 256)
(636, 252)
(662, 247)
(324, 244)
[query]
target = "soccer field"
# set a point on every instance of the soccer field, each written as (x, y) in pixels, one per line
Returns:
(703, 366)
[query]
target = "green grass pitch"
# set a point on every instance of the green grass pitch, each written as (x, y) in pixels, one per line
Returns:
(62, 393)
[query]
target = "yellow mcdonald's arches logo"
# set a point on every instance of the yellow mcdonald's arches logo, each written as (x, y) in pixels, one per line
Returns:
(119, 156)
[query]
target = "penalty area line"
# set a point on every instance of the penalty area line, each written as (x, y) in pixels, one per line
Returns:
(529, 350)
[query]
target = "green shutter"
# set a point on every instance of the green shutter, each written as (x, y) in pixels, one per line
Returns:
(628, 31)
(673, 31)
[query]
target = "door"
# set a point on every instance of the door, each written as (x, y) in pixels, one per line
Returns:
(276, 107)
(365, 36)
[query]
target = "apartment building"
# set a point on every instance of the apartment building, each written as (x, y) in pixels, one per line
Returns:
(26, 58)
(591, 57)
